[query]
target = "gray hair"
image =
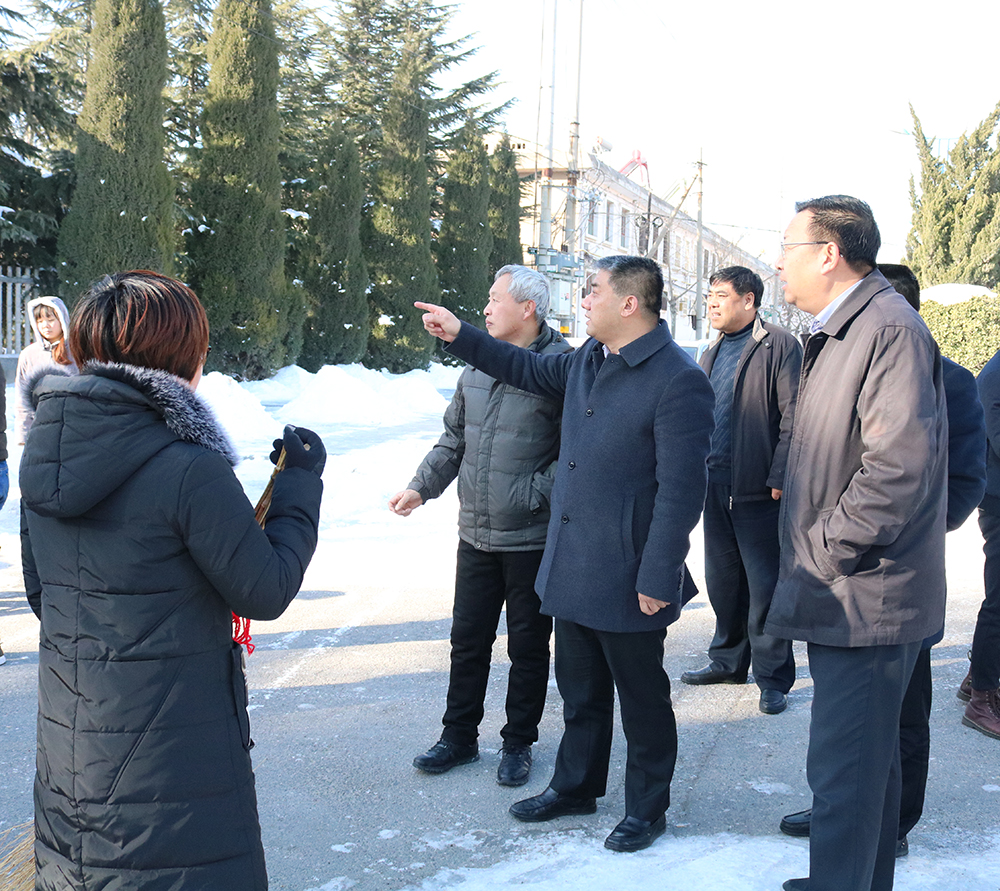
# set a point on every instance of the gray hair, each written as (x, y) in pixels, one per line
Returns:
(527, 284)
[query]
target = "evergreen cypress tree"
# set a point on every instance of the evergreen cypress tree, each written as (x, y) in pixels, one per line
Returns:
(305, 104)
(955, 227)
(402, 270)
(975, 238)
(335, 276)
(188, 30)
(120, 217)
(237, 249)
(928, 244)
(365, 57)
(505, 207)
(464, 240)
(32, 117)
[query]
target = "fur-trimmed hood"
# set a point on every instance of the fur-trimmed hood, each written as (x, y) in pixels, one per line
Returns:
(93, 431)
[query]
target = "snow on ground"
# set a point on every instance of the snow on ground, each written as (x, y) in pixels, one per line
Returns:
(731, 862)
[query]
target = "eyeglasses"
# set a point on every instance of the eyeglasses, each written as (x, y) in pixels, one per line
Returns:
(785, 245)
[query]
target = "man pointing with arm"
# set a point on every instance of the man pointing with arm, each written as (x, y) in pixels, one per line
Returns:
(630, 485)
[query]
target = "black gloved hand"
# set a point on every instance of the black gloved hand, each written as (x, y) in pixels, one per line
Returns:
(303, 449)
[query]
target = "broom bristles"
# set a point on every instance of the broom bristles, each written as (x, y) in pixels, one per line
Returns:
(17, 865)
(264, 504)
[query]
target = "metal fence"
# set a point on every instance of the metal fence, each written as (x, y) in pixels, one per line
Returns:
(15, 291)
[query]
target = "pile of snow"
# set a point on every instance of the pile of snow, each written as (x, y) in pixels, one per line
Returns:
(240, 414)
(282, 388)
(442, 376)
(947, 295)
(336, 396)
(351, 395)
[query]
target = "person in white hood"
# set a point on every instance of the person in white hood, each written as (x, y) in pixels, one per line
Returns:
(50, 350)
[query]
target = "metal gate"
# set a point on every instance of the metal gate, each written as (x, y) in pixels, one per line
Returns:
(15, 291)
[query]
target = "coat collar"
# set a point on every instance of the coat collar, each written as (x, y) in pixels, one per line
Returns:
(546, 335)
(758, 333)
(184, 412)
(872, 284)
(640, 349)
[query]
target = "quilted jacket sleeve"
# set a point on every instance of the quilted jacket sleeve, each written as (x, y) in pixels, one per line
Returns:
(437, 471)
(256, 572)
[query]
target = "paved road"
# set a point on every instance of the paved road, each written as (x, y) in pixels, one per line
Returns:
(349, 685)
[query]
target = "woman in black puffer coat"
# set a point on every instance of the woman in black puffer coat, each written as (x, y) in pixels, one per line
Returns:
(137, 543)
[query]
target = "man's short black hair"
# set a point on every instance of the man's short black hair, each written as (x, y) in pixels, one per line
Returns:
(742, 280)
(847, 222)
(904, 281)
(639, 276)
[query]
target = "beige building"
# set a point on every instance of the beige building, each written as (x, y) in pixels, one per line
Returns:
(617, 214)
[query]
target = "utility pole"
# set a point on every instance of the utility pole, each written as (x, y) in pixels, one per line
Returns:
(545, 224)
(701, 266)
(573, 174)
(645, 224)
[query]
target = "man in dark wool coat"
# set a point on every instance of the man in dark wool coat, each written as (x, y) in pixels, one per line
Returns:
(630, 486)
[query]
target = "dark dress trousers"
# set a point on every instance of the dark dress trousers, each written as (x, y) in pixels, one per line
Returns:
(629, 488)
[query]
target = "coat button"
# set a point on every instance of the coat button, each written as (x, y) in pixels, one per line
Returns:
(590, 411)
(565, 519)
(479, 545)
(572, 465)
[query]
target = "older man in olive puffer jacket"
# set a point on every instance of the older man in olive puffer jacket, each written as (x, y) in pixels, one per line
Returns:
(501, 443)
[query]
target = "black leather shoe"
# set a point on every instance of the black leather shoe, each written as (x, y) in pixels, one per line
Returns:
(797, 824)
(711, 675)
(633, 834)
(515, 766)
(549, 805)
(796, 885)
(773, 702)
(444, 755)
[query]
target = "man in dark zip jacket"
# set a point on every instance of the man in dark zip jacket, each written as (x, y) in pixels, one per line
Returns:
(754, 369)
(501, 443)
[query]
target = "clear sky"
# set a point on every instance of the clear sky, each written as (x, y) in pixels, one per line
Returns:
(786, 100)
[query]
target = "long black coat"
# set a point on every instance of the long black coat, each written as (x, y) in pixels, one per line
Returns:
(631, 479)
(138, 542)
